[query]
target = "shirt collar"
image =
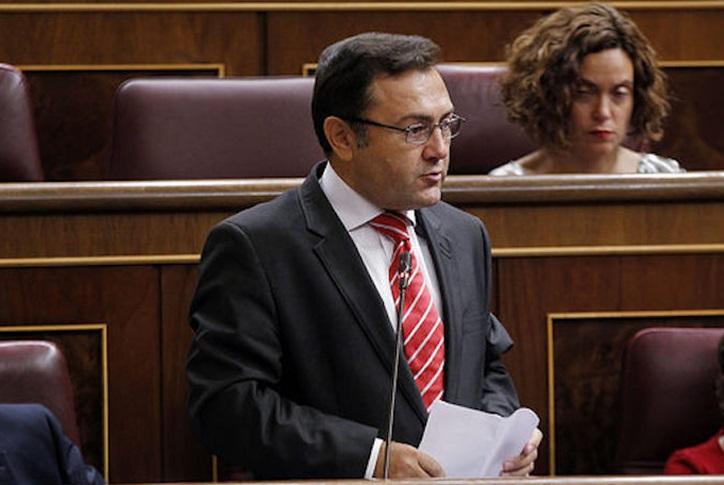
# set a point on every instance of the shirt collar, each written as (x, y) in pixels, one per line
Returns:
(352, 209)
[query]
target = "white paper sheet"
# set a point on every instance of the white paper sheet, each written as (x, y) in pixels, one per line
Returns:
(469, 443)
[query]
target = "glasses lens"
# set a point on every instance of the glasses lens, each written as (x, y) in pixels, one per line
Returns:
(451, 126)
(419, 134)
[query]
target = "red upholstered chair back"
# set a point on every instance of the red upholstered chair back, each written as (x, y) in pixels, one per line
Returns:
(214, 128)
(668, 395)
(487, 139)
(19, 152)
(34, 371)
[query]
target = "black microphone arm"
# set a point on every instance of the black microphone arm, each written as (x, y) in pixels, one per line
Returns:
(403, 278)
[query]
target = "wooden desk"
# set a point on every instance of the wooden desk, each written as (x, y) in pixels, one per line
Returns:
(108, 270)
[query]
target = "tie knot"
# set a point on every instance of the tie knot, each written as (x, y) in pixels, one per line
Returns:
(392, 225)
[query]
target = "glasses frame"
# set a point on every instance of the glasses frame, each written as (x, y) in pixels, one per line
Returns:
(408, 129)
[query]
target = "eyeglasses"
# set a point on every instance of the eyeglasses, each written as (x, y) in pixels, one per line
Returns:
(419, 133)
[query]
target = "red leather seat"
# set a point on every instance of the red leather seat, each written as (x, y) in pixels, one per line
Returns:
(262, 127)
(487, 138)
(668, 395)
(214, 128)
(19, 152)
(33, 371)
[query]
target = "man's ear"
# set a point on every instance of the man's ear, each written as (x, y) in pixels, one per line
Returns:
(341, 137)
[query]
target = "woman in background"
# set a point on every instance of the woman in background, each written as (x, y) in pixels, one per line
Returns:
(579, 82)
(708, 457)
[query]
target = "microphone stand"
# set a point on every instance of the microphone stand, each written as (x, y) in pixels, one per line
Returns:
(403, 272)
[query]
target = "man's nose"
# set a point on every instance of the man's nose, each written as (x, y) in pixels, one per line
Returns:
(438, 146)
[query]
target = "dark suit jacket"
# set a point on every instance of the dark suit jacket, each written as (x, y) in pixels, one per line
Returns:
(290, 366)
(34, 450)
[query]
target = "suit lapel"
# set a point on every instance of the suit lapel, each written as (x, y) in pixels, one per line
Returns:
(341, 261)
(432, 228)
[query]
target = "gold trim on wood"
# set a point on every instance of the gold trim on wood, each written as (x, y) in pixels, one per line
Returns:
(345, 7)
(550, 317)
(551, 400)
(308, 68)
(219, 68)
(628, 250)
(693, 63)
(99, 260)
(637, 314)
(71, 327)
(522, 252)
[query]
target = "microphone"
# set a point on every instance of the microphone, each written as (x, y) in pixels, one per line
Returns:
(403, 279)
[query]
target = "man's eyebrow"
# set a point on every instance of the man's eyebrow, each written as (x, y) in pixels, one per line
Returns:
(423, 118)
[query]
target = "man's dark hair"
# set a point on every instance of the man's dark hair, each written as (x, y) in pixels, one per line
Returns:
(347, 68)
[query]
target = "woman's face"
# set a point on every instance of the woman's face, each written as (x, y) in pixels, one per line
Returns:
(602, 103)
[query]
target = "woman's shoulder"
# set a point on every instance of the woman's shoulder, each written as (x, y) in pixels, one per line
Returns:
(528, 164)
(652, 163)
(510, 168)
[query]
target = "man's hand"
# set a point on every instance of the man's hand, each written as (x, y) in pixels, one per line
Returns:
(522, 464)
(407, 462)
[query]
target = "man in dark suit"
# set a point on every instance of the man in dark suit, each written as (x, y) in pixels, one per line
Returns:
(291, 363)
(35, 451)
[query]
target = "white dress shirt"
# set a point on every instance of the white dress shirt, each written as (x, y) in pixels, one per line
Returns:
(376, 250)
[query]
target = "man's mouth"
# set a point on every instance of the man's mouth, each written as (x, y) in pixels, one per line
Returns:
(432, 176)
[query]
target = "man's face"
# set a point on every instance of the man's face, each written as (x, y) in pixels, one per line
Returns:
(385, 169)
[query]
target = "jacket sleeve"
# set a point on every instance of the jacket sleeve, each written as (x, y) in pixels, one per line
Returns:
(235, 368)
(499, 395)
(73, 469)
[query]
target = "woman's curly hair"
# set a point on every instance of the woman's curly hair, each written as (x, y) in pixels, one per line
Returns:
(544, 68)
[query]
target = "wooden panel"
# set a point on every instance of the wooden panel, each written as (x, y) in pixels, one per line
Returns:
(73, 105)
(464, 36)
(184, 458)
(126, 299)
(477, 35)
(693, 133)
(116, 234)
(73, 110)
(671, 32)
(587, 391)
(611, 224)
(68, 38)
(532, 288)
(98, 219)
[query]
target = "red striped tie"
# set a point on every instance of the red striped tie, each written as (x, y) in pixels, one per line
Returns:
(422, 328)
